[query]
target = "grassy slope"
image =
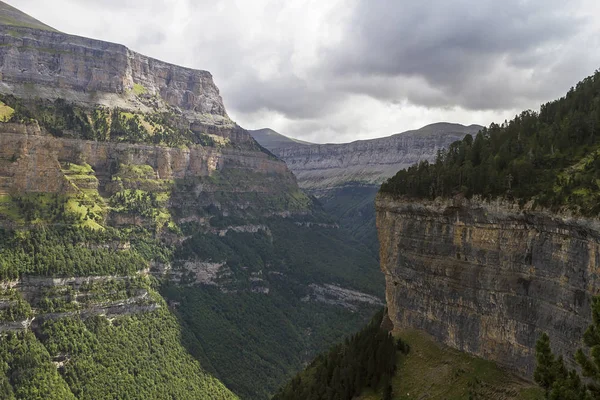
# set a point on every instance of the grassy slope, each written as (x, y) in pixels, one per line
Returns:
(436, 372)
(12, 17)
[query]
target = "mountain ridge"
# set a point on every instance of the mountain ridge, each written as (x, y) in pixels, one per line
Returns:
(320, 167)
(94, 72)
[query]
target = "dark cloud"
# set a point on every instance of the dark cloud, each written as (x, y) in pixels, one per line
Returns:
(464, 49)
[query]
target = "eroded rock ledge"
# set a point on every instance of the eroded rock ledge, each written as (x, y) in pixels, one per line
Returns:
(489, 278)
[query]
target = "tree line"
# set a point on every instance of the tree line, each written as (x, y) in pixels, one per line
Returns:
(551, 157)
(62, 118)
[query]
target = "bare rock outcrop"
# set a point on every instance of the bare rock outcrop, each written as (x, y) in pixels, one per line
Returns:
(50, 64)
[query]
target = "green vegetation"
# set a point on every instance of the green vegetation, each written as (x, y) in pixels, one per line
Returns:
(140, 203)
(423, 369)
(287, 256)
(55, 299)
(99, 359)
(83, 209)
(254, 341)
(9, 209)
(139, 90)
(15, 308)
(353, 205)
(238, 186)
(443, 373)
(367, 359)
(87, 206)
(6, 112)
(315, 254)
(553, 376)
(141, 194)
(27, 372)
(64, 119)
(66, 251)
(551, 157)
(135, 357)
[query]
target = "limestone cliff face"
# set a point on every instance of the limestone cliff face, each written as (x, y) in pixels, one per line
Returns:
(84, 298)
(320, 167)
(49, 64)
(488, 278)
(30, 161)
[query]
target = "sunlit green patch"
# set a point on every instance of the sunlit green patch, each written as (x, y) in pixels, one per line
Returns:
(139, 90)
(6, 112)
(127, 115)
(86, 204)
(77, 169)
(152, 206)
(136, 171)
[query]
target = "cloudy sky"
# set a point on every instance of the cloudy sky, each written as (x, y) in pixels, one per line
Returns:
(341, 70)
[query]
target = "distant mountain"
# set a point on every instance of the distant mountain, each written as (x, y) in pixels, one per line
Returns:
(270, 139)
(346, 177)
(321, 167)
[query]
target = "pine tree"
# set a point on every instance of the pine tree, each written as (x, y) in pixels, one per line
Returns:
(545, 370)
(387, 393)
(591, 365)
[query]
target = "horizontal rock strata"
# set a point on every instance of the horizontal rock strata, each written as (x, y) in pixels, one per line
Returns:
(488, 278)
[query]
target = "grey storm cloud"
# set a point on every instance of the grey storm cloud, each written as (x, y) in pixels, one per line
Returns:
(477, 55)
(457, 46)
(442, 39)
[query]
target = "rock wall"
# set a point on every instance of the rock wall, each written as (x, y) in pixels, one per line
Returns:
(31, 161)
(320, 167)
(49, 64)
(488, 278)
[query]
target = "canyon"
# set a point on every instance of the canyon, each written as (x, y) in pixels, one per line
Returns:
(149, 208)
(346, 177)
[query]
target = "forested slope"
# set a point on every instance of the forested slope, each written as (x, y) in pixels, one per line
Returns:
(374, 365)
(550, 157)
